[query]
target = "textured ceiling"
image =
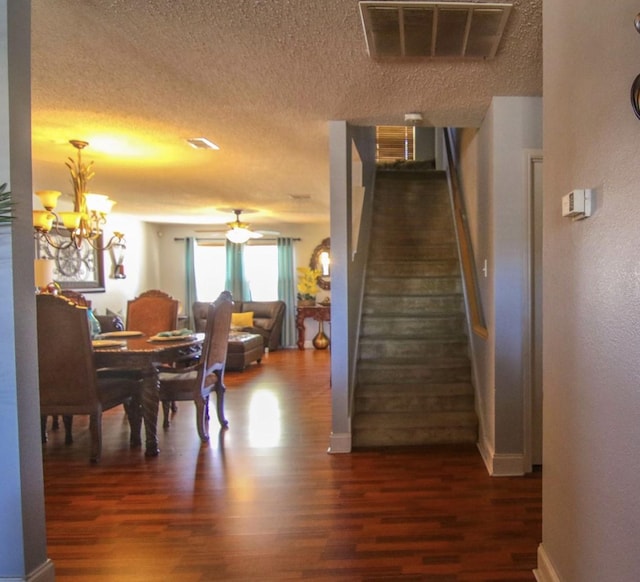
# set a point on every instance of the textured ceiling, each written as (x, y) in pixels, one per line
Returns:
(260, 78)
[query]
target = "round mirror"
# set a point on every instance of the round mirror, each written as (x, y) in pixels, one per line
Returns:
(321, 260)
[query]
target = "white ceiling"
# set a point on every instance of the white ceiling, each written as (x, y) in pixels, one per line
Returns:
(260, 78)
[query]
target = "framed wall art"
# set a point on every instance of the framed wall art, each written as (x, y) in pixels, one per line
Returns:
(80, 269)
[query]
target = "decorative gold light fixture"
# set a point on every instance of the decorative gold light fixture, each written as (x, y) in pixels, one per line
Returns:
(89, 214)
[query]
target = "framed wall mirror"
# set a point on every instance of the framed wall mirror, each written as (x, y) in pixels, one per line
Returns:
(321, 260)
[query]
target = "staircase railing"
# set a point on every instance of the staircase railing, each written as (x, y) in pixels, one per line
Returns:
(469, 277)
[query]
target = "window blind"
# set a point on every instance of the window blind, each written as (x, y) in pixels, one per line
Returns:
(394, 142)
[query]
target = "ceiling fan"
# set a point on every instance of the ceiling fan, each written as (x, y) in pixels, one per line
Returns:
(239, 232)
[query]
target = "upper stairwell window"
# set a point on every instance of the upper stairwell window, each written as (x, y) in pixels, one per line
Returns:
(395, 142)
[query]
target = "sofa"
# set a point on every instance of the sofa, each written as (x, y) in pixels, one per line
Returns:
(110, 323)
(267, 320)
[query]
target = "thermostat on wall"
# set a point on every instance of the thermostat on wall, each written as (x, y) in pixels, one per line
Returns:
(577, 204)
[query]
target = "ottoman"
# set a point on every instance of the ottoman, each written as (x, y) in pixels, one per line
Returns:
(243, 348)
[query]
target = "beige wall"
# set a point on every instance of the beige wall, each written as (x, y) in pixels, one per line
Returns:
(494, 170)
(591, 294)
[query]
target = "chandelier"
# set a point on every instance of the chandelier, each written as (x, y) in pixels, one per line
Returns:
(89, 215)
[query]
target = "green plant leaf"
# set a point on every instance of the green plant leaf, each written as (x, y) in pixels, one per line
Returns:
(6, 205)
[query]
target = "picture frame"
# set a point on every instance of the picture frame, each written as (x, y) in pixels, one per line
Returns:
(79, 269)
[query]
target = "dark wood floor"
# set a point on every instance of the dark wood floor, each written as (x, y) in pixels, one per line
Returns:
(265, 501)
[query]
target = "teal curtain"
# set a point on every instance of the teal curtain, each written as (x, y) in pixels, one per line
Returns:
(191, 293)
(236, 282)
(287, 289)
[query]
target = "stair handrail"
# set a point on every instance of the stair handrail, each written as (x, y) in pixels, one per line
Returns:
(465, 248)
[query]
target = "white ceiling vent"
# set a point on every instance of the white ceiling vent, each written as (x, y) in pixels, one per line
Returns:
(433, 29)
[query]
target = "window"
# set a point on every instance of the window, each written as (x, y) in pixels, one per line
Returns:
(210, 261)
(394, 143)
(261, 271)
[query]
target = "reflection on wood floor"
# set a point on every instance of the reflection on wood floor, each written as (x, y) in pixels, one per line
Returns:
(265, 501)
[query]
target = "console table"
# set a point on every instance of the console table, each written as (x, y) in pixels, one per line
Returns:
(317, 312)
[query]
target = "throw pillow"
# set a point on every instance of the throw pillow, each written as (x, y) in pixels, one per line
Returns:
(242, 319)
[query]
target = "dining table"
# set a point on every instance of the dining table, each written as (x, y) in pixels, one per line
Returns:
(145, 356)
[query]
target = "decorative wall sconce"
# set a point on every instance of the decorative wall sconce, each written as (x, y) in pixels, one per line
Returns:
(117, 251)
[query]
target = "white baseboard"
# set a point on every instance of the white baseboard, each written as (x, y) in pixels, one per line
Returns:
(508, 465)
(340, 443)
(486, 452)
(43, 573)
(545, 571)
(501, 465)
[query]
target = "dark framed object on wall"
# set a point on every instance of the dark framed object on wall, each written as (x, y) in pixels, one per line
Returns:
(79, 269)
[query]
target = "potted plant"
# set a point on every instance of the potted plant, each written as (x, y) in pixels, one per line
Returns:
(307, 286)
(6, 205)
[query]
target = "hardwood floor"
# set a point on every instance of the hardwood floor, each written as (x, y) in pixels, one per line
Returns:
(266, 502)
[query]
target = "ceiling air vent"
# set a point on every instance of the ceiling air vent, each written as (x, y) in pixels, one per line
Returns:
(433, 29)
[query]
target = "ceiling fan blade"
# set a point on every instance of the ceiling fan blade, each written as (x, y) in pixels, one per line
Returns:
(221, 230)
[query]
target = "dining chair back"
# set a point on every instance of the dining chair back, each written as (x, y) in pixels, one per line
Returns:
(152, 312)
(78, 299)
(69, 382)
(196, 382)
(199, 311)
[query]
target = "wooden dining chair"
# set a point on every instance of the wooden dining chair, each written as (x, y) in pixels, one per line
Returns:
(69, 381)
(152, 312)
(198, 381)
(78, 299)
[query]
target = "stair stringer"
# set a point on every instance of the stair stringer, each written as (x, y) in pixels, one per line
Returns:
(487, 452)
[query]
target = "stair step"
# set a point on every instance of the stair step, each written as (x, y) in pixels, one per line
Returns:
(401, 253)
(371, 372)
(394, 212)
(389, 347)
(411, 267)
(412, 397)
(429, 190)
(437, 247)
(416, 419)
(422, 214)
(412, 304)
(423, 203)
(378, 436)
(400, 326)
(380, 285)
(400, 429)
(414, 205)
(395, 389)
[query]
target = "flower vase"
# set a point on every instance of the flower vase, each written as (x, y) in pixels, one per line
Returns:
(320, 341)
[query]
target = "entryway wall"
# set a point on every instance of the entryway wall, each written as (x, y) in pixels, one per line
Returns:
(494, 174)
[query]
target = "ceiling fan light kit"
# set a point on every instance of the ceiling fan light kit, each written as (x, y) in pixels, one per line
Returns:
(239, 232)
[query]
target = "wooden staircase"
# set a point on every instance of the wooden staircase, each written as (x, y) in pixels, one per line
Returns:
(413, 374)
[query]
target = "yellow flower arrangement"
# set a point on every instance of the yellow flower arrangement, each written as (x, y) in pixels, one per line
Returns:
(307, 283)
